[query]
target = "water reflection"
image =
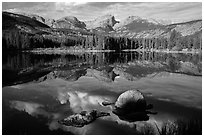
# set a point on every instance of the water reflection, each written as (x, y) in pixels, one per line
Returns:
(20, 67)
(69, 84)
(24, 60)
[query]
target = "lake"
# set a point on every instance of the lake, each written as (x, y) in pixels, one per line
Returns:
(41, 89)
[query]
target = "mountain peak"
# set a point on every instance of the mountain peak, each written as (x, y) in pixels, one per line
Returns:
(68, 18)
(106, 18)
(105, 21)
(69, 22)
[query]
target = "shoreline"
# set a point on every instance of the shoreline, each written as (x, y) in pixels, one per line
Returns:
(165, 51)
(66, 51)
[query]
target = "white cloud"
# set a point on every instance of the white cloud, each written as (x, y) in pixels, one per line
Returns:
(174, 11)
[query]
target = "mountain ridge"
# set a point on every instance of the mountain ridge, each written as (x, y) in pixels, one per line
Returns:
(131, 27)
(69, 22)
(103, 23)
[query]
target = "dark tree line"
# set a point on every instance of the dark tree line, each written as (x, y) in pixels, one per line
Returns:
(17, 40)
(21, 40)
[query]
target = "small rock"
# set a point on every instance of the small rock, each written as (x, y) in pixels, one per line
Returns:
(83, 118)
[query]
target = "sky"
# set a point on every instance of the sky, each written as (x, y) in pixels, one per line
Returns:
(172, 11)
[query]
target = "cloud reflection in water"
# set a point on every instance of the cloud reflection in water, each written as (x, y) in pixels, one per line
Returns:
(31, 108)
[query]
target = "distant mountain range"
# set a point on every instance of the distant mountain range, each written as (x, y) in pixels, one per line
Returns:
(131, 27)
(25, 31)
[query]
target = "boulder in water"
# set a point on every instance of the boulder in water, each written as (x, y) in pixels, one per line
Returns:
(83, 118)
(131, 106)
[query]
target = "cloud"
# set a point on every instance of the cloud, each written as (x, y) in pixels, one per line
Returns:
(175, 11)
(71, 3)
(80, 101)
(11, 5)
(31, 108)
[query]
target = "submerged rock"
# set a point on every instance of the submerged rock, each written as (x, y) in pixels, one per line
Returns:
(102, 75)
(121, 72)
(68, 75)
(131, 106)
(83, 118)
(49, 76)
(189, 68)
(71, 75)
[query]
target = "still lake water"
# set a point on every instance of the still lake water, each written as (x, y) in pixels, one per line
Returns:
(171, 82)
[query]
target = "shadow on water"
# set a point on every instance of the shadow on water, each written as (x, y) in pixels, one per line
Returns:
(16, 122)
(175, 109)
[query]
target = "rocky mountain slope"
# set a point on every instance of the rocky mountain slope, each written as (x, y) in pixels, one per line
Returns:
(187, 28)
(136, 27)
(41, 19)
(17, 21)
(33, 16)
(69, 22)
(136, 24)
(103, 23)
